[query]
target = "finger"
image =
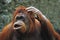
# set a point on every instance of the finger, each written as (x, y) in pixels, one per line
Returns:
(31, 7)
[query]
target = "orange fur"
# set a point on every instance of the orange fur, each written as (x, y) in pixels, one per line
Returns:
(43, 19)
(8, 29)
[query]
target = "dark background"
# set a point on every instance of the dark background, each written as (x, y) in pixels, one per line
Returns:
(50, 8)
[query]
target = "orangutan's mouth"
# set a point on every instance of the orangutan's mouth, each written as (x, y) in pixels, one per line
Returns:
(19, 25)
(17, 28)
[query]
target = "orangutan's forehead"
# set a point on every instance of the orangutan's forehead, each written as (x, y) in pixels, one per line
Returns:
(21, 11)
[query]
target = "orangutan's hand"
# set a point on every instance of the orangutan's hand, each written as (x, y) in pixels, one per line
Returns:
(33, 9)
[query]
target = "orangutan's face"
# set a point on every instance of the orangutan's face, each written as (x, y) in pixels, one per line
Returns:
(21, 22)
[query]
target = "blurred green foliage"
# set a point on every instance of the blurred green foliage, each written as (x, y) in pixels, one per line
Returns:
(50, 8)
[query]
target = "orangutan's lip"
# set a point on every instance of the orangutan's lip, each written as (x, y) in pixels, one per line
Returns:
(17, 28)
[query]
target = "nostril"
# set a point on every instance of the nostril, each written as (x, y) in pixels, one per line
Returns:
(16, 25)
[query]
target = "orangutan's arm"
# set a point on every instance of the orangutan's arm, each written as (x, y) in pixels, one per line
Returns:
(43, 19)
(48, 25)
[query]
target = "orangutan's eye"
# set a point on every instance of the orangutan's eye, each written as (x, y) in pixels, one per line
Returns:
(20, 11)
(19, 18)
